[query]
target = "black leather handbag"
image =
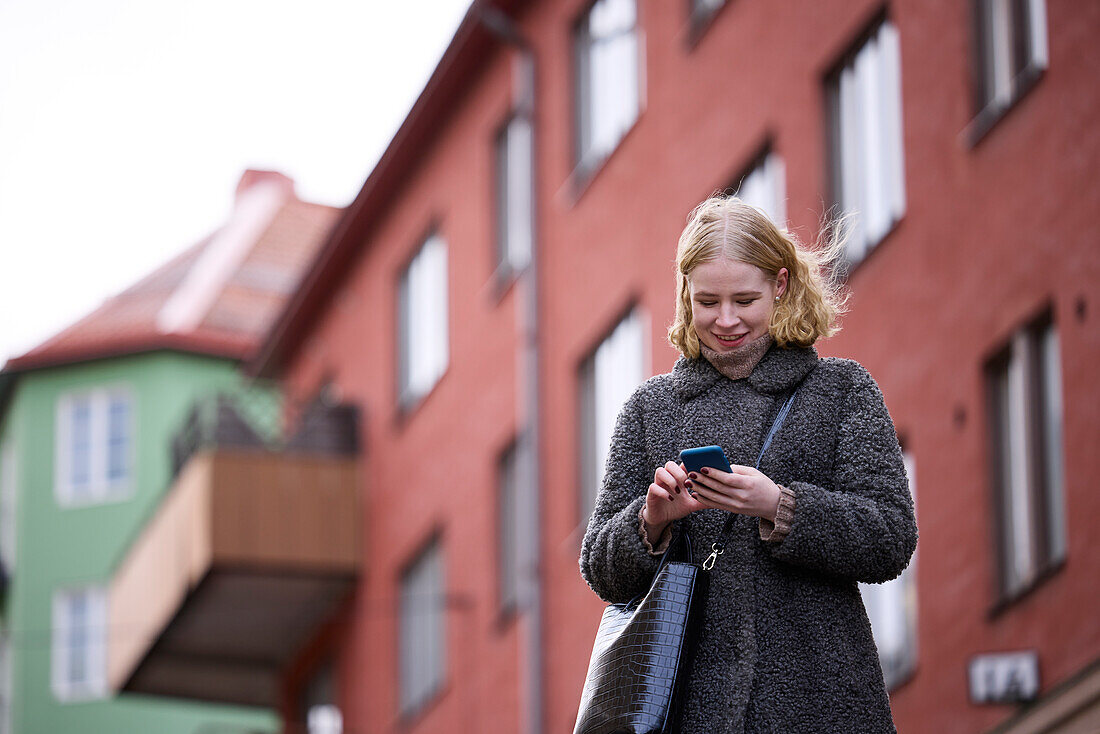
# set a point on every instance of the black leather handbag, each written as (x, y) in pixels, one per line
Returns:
(640, 648)
(643, 647)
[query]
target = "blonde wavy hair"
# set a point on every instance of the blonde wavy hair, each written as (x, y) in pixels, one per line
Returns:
(725, 226)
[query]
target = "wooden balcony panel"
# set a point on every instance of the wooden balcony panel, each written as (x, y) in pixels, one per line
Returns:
(248, 554)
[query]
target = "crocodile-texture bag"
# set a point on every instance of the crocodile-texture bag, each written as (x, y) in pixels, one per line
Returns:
(640, 648)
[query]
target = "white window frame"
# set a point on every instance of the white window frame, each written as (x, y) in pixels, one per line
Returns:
(423, 329)
(868, 158)
(609, 90)
(422, 630)
(608, 377)
(100, 487)
(515, 195)
(9, 494)
(1026, 413)
(765, 187)
(7, 683)
(1002, 75)
(94, 686)
(892, 610)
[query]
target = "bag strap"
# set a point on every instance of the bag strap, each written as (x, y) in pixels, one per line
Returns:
(718, 546)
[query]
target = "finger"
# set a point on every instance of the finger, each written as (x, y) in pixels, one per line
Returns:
(743, 470)
(718, 478)
(677, 471)
(711, 499)
(666, 480)
(660, 493)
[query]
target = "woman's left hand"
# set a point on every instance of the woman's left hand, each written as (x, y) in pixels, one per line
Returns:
(745, 490)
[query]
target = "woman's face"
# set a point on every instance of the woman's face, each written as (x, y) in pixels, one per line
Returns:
(732, 302)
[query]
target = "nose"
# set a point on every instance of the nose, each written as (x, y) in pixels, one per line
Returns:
(727, 316)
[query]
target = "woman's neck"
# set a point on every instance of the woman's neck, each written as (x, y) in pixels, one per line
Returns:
(737, 363)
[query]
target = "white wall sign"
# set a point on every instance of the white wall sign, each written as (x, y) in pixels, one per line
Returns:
(1004, 677)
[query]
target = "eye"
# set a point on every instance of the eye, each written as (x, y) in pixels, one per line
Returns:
(749, 302)
(706, 303)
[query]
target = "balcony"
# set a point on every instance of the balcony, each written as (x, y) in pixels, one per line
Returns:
(253, 548)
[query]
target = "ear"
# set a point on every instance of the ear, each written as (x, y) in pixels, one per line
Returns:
(781, 282)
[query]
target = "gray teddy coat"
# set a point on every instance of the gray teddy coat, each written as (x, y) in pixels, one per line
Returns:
(785, 645)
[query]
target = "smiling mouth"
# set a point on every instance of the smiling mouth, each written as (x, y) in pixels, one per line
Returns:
(729, 339)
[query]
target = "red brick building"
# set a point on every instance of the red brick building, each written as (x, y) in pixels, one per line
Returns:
(505, 277)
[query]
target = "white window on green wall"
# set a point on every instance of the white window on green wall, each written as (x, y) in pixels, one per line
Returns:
(94, 446)
(8, 494)
(79, 644)
(892, 609)
(6, 683)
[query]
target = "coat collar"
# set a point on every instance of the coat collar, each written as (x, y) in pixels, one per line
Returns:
(777, 371)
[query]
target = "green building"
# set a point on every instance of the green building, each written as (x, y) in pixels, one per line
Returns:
(86, 421)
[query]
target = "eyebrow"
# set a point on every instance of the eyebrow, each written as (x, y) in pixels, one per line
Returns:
(708, 294)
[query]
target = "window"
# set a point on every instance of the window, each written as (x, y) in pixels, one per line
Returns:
(892, 609)
(868, 174)
(515, 195)
(608, 79)
(1025, 391)
(79, 644)
(8, 477)
(607, 379)
(1011, 51)
(422, 312)
(422, 630)
(765, 186)
(6, 682)
(94, 445)
(508, 528)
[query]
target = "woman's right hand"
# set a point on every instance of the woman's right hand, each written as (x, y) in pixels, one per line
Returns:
(668, 499)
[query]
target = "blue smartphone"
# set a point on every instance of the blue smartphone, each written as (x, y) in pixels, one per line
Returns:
(712, 456)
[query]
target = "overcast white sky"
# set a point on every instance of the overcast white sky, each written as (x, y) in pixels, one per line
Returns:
(125, 125)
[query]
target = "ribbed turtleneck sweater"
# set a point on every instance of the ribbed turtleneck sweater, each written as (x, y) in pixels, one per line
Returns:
(738, 363)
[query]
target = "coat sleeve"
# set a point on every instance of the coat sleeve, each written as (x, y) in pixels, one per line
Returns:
(614, 560)
(863, 527)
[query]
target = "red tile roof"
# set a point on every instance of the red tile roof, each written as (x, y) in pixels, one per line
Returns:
(218, 297)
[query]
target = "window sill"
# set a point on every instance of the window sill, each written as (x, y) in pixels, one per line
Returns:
(506, 617)
(700, 23)
(101, 497)
(406, 408)
(503, 280)
(409, 718)
(853, 266)
(1010, 600)
(993, 113)
(586, 172)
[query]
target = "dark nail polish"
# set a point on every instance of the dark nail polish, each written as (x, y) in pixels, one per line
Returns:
(693, 475)
(686, 484)
(677, 490)
(671, 498)
(705, 470)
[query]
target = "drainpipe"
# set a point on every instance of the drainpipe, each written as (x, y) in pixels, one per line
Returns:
(527, 402)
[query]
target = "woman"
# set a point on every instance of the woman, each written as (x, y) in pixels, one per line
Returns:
(785, 644)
